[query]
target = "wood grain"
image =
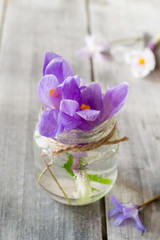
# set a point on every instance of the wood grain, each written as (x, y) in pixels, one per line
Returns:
(30, 28)
(138, 178)
(2, 10)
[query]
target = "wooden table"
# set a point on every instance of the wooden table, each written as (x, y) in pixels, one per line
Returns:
(28, 28)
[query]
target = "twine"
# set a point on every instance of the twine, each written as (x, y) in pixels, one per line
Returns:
(88, 147)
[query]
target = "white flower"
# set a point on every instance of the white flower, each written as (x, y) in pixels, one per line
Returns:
(142, 62)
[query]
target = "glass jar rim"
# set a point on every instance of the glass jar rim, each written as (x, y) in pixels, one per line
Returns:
(81, 137)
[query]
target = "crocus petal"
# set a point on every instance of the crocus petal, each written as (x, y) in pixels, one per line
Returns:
(88, 114)
(90, 40)
(69, 122)
(119, 219)
(103, 47)
(113, 100)
(60, 68)
(83, 82)
(69, 107)
(49, 125)
(84, 126)
(70, 89)
(114, 211)
(84, 52)
(47, 83)
(115, 202)
(92, 96)
(104, 56)
(48, 56)
(78, 80)
(138, 224)
(57, 97)
(122, 212)
(92, 48)
(151, 45)
(79, 154)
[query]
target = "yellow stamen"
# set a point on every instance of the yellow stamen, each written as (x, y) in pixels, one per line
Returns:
(51, 91)
(141, 61)
(84, 107)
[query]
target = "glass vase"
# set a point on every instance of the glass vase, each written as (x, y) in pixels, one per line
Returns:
(77, 178)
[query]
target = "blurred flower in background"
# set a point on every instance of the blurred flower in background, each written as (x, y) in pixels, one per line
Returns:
(92, 48)
(141, 61)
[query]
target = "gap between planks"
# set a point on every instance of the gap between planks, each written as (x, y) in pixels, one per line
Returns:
(103, 219)
(89, 33)
(102, 201)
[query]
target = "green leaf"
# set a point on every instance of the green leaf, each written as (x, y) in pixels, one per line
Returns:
(94, 189)
(70, 172)
(100, 179)
(67, 166)
(69, 162)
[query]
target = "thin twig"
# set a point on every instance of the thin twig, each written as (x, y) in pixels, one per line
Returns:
(54, 178)
(129, 39)
(42, 173)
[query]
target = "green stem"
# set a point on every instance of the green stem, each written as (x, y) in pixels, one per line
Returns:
(129, 39)
(152, 200)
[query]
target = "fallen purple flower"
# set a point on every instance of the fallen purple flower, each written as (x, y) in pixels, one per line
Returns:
(124, 212)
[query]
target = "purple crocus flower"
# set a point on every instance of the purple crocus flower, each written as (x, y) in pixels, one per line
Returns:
(70, 105)
(92, 48)
(123, 212)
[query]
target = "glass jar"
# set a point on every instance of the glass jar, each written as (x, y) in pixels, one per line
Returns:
(78, 178)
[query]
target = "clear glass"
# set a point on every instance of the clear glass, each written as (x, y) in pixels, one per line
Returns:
(84, 177)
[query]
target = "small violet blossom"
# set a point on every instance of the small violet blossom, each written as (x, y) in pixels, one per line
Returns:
(154, 41)
(123, 212)
(91, 49)
(70, 103)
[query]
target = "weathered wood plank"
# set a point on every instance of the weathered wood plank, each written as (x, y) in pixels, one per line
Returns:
(30, 28)
(3, 9)
(138, 178)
